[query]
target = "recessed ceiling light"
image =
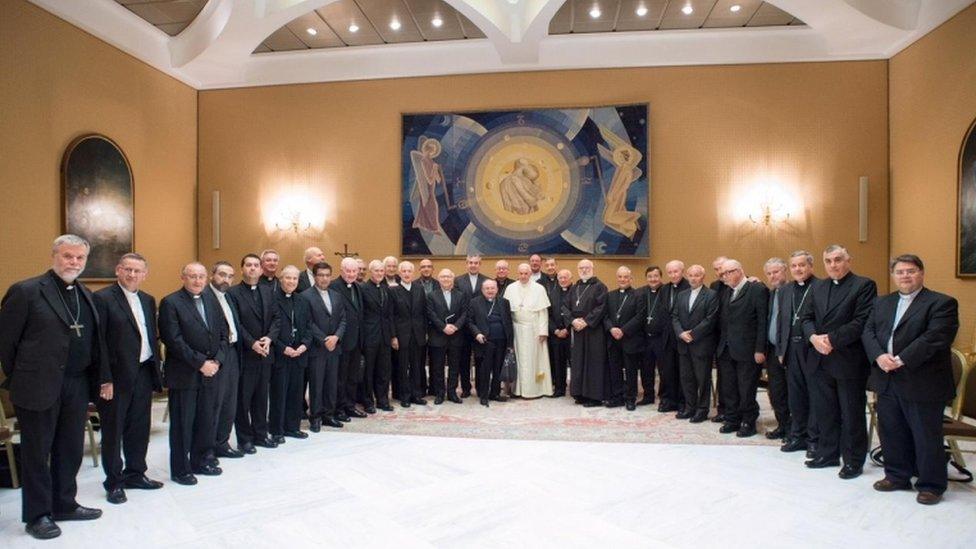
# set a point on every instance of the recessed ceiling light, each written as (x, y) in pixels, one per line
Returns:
(311, 31)
(513, 2)
(735, 8)
(437, 21)
(641, 11)
(687, 10)
(353, 28)
(595, 12)
(395, 25)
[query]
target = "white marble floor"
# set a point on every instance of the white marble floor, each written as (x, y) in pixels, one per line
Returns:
(363, 490)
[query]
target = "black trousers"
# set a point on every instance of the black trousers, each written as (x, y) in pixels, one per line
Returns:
(911, 441)
(488, 360)
(653, 346)
(615, 380)
(720, 407)
(251, 422)
(777, 390)
(286, 396)
(228, 381)
(696, 381)
(559, 353)
(438, 357)
(125, 421)
(56, 434)
(410, 373)
(843, 427)
(740, 379)
(801, 381)
(394, 363)
(463, 365)
(323, 381)
(191, 426)
(376, 380)
(669, 370)
(348, 378)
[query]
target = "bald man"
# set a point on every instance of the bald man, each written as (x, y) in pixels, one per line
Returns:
(624, 324)
(502, 279)
(306, 279)
(349, 361)
(447, 313)
(560, 318)
(694, 321)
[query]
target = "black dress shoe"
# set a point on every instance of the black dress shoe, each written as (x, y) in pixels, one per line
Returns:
(116, 496)
(499, 398)
(558, 394)
(631, 405)
(728, 428)
(667, 407)
(811, 450)
(645, 401)
(213, 462)
(793, 445)
(454, 398)
(699, 417)
(484, 401)
(386, 408)
(579, 400)
(720, 418)
(821, 463)
(143, 482)
(614, 403)
(778, 432)
(186, 480)
(592, 403)
(341, 416)
(418, 401)
(248, 448)
(228, 452)
(683, 414)
(850, 471)
(438, 400)
(266, 442)
(404, 403)
(296, 434)
(315, 425)
(208, 471)
(332, 422)
(746, 430)
(370, 409)
(353, 412)
(278, 439)
(465, 394)
(43, 528)
(78, 513)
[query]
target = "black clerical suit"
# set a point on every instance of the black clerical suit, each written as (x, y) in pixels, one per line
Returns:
(228, 378)
(559, 348)
(794, 348)
(305, 281)
(588, 300)
(840, 309)
(912, 398)
(463, 282)
(377, 344)
(270, 281)
(190, 341)
(323, 365)
(550, 282)
(492, 319)
(258, 318)
(127, 417)
(52, 372)
(350, 360)
(410, 329)
(722, 289)
(657, 333)
(742, 334)
(502, 283)
(625, 310)
(443, 347)
(701, 319)
(288, 373)
(672, 397)
(777, 389)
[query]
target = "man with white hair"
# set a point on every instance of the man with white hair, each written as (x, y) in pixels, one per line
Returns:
(588, 301)
(51, 354)
(313, 256)
(501, 276)
(672, 397)
(776, 273)
(291, 355)
(693, 321)
(720, 287)
(410, 329)
(377, 334)
(390, 267)
(530, 316)
(349, 361)
(560, 319)
(535, 264)
(447, 314)
(624, 323)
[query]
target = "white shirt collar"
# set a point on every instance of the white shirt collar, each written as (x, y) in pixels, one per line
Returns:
(216, 291)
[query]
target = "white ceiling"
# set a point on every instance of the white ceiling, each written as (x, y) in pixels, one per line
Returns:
(223, 45)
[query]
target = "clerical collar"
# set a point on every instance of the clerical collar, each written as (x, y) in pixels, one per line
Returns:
(64, 285)
(625, 289)
(804, 282)
(195, 296)
(348, 284)
(378, 284)
(841, 280)
(287, 296)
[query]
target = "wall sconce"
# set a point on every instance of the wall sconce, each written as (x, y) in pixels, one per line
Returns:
(294, 212)
(293, 221)
(769, 213)
(764, 204)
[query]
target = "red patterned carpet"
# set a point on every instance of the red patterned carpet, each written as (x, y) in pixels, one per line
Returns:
(553, 419)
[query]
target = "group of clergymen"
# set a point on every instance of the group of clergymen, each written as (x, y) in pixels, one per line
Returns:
(244, 356)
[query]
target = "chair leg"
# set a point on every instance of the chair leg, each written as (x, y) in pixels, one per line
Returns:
(91, 440)
(14, 481)
(956, 453)
(166, 413)
(872, 425)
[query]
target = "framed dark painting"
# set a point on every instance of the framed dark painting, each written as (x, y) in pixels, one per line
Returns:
(98, 202)
(555, 181)
(966, 224)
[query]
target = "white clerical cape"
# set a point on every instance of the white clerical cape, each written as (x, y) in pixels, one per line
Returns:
(530, 316)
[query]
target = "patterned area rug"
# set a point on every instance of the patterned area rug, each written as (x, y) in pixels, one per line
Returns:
(554, 419)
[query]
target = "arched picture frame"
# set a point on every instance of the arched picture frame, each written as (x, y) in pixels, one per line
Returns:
(97, 198)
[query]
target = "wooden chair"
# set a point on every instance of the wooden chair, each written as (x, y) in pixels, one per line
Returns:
(963, 406)
(7, 439)
(90, 429)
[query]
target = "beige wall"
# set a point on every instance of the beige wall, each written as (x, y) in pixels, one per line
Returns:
(714, 132)
(58, 83)
(933, 102)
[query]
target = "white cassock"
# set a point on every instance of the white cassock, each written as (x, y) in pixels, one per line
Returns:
(530, 317)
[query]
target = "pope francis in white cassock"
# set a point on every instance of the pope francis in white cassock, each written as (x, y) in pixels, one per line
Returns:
(530, 317)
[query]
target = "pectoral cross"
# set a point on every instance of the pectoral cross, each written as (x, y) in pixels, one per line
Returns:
(294, 332)
(77, 328)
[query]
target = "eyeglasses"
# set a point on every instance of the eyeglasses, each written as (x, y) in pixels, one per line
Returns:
(906, 272)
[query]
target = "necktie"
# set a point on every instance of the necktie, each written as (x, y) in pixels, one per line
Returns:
(903, 303)
(447, 299)
(198, 301)
(773, 318)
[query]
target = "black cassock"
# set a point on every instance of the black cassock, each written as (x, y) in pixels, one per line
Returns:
(587, 300)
